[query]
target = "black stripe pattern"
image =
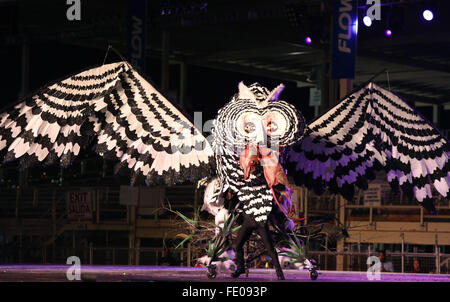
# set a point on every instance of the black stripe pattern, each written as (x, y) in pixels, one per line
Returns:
(257, 105)
(372, 129)
(127, 116)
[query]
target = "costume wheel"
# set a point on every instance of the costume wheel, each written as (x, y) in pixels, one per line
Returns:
(313, 274)
(212, 273)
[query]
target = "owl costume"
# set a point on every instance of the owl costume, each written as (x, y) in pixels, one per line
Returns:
(256, 137)
(253, 118)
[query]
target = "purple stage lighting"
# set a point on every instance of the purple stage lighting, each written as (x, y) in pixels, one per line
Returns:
(428, 15)
(388, 32)
(367, 21)
(308, 40)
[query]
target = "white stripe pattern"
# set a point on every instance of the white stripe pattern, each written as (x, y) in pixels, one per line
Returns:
(372, 129)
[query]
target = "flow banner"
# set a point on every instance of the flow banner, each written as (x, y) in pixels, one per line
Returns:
(345, 26)
(137, 33)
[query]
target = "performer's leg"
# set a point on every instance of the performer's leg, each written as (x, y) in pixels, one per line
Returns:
(263, 231)
(243, 235)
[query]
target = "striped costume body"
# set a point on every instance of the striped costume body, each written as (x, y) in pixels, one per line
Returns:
(259, 107)
(253, 193)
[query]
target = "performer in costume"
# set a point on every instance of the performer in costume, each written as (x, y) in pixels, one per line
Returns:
(131, 121)
(248, 134)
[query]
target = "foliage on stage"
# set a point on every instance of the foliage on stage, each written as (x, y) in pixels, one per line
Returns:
(221, 242)
(199, 231)
(298, 249)
(193, 223)
(213, 240)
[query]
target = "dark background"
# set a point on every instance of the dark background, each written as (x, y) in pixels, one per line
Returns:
(251, 38)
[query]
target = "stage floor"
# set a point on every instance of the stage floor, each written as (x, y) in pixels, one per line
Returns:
(108, 273)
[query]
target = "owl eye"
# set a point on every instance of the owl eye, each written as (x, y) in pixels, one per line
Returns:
(271, 127)
(249, 127)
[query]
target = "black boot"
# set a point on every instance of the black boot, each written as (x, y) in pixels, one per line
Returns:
(280, 274)
(239, 270)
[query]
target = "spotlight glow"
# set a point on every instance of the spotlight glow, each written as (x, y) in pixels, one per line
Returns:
(355, 27)
(428, 15)
(308, 40)
(388, 32)
(367, 21)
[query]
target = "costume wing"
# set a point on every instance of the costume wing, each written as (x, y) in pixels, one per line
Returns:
(116, 106)
(372, 129)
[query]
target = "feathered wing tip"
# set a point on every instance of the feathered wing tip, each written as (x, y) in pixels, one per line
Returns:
(373, 129)
(116, 106)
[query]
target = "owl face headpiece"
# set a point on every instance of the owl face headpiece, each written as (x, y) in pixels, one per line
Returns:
(256, 116)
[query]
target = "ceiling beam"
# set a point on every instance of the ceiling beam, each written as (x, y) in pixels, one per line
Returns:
(259, 72)
(404, 60)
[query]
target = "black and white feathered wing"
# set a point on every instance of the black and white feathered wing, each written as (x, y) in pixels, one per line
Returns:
(370, 130)
(113, 103)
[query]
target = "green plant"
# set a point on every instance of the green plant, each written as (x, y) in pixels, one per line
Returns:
(298, 250)
(218, 246)
(193, 222)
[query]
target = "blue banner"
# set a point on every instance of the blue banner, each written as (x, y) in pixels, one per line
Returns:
(345, 28)
(137, 33)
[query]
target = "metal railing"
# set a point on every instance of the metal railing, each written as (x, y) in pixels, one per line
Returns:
(381, 211)
(435, 263)
(33, 202)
